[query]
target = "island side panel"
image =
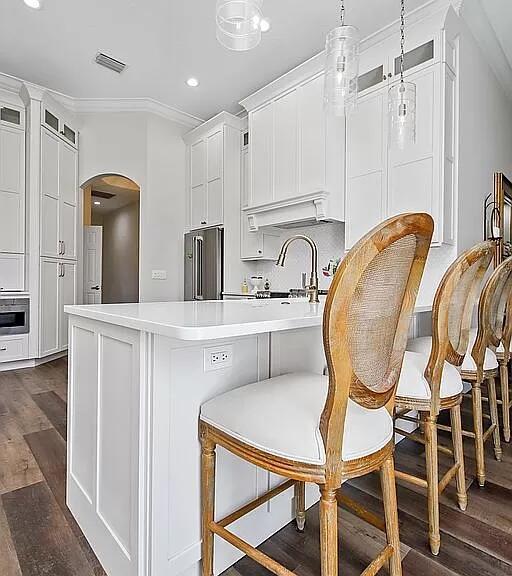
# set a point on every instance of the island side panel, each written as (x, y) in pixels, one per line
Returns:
(180, 385)
(103, 432)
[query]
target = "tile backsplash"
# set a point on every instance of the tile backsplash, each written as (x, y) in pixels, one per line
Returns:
(330, 239)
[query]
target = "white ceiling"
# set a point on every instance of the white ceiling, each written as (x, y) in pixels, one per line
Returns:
(125, 192)
(164, 42)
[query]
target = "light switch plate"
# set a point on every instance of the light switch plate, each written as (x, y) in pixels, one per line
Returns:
(159, 274)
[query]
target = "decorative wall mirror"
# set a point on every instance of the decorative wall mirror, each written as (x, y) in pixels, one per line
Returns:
(498, 217)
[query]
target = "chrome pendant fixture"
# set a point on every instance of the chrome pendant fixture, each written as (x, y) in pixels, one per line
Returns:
(239, 23)
(402, 102)
(341, 68)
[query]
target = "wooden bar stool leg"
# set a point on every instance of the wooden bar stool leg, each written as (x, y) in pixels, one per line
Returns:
(208, 503)
(493, 407)
(476, 394)
(300, 505)
(458, 452)
(328, 531)
(387, 476)
(433, 483)
(505, 399)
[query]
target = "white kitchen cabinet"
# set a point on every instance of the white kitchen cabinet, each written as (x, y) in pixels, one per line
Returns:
(12, 189)
(12, 274)
(49, 307)
(206, 181)
(382, 181)
(296, 158)
(263, 244)
(59, 190)
(58, 287)
(67, 295)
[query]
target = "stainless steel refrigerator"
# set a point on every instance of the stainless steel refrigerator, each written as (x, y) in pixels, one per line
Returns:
(204, 264)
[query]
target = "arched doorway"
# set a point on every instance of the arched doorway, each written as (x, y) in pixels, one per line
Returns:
(111, 220)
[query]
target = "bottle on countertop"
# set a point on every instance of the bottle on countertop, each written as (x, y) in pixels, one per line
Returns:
(245, 287)
(267, 285)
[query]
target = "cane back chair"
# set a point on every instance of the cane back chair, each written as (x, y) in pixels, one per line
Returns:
(328, 429)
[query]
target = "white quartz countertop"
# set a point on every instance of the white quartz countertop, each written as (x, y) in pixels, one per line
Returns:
(208, 320)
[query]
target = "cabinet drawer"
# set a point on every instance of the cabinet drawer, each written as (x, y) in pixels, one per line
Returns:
(13, 349)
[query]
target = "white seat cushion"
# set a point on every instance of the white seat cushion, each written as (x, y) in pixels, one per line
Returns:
(412, 383)
(469, 365)
(281, 416)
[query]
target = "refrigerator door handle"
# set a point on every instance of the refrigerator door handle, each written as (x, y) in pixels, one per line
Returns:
(198, 269)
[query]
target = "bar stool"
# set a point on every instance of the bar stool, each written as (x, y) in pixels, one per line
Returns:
(503, 356)
(328, 429)
(430, 381)
(481, 366)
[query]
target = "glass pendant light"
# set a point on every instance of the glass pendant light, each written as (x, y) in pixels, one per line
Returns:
(341, 68)
(239, 23)
(402, 102)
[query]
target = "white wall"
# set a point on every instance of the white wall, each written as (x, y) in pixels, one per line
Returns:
(150, 151)
(120, 263)
(485, 137)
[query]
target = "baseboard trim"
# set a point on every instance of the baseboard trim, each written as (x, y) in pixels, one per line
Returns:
(30, 362)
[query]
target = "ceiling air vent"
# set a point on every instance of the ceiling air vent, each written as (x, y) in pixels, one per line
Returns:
(109, 62)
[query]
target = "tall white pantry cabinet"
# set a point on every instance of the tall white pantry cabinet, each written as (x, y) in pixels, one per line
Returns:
(53, 213)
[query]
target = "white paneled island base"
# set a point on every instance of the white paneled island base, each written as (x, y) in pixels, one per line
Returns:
(138, 375)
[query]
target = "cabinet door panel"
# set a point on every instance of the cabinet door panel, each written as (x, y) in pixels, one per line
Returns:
(49, 226)
(11, 222)
(364, 206)
(49, 308)
(312, 163)
(285, 146)
(197, 164)
(11, 272)
(67, 174)
(365, 136)
(67, 296)
(261, 145)
(214, 153)
(49, 164)
(198, 206)
(68, 230)
(251, 242)
(214, 201)
(11, 160)
(410, 187)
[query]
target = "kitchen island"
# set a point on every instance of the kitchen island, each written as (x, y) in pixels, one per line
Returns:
(138, 374)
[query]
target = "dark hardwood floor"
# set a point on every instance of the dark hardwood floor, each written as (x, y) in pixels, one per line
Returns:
(38, 535)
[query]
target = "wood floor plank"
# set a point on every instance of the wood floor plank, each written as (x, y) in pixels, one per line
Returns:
(44, 542)
(49, 450)
(18, 467)
(456, 555)
(9, 565)
(54, 409)
(416, 564)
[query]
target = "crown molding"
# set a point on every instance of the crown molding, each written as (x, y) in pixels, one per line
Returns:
(224, 118)
(30, 91)
(148, 105)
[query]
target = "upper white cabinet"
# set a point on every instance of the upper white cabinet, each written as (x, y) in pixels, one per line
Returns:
(382, 181)
(53, 122)
(12, 197)
(206, 157)
(296, 158)
(59, 188)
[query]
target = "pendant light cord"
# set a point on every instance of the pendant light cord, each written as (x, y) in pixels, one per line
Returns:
(342, 12)
(402, 40)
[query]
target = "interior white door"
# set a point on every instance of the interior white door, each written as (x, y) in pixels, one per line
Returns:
(93, 243)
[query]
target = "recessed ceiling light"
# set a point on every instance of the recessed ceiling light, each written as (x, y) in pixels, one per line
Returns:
(264, 25)
(193, 82)
(36, 4)
(97, 202)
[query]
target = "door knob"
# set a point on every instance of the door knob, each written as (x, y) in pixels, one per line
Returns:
(95, 287)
